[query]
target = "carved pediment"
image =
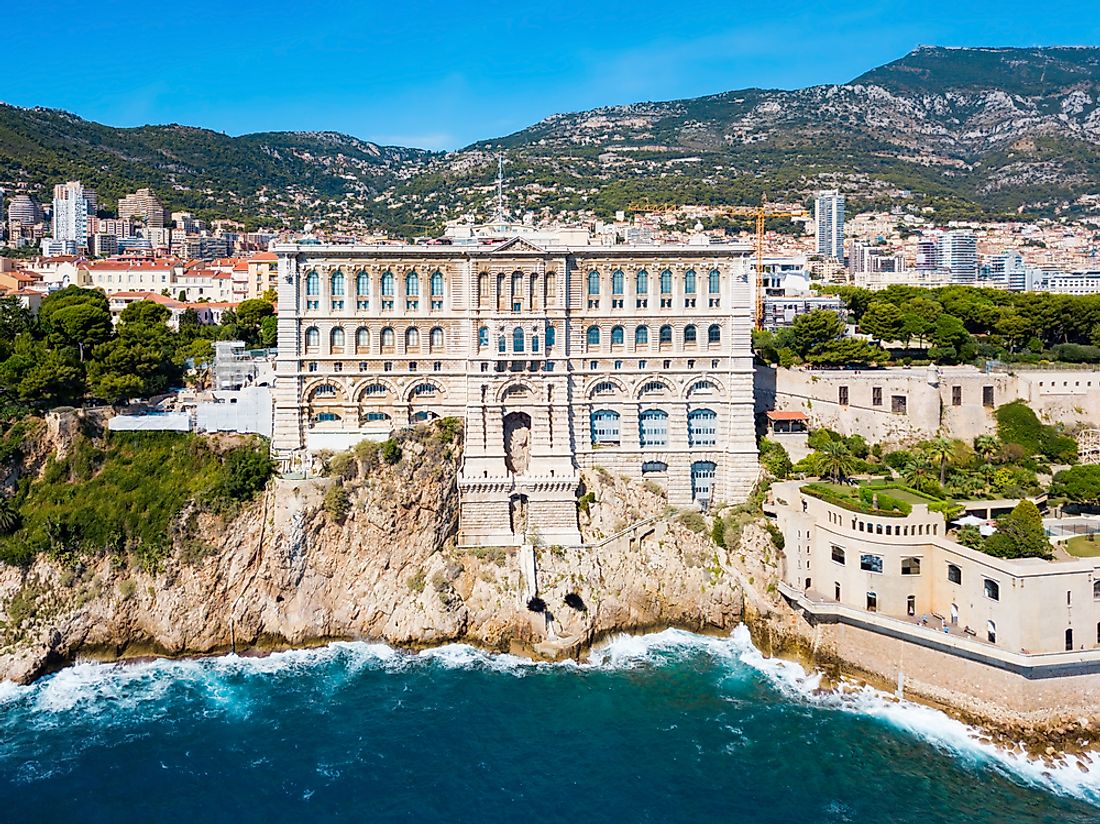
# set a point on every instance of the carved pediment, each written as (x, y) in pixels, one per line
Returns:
(517, 244)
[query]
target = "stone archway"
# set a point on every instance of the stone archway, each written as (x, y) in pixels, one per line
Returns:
(517, 442)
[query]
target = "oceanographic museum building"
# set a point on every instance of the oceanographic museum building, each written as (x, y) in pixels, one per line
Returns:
(636, 359)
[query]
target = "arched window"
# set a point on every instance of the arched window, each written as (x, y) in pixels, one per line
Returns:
(424, 389)
(412, 338)
(313, 284)
(690, 335)
(483, 289)
(593, 283)
(689, 282)
(666, 282)
(387, 284)
(336, 339)
(653, 428)
(618, 336)
(362, 340)
(325, 390)
(337, 284)
(702, 427)
(641, 336)
(551, 336)
(517, 339)
(482, 337)
(991, 632)
(605, 388)
(362, 284)
(714, 282)
(665, 335)
(642, 283)
(374, 390)
(388, 338)
(593, 336)
(437, 284)
(313, 338)
(412, 284)
(605, 427)
(714, 333)
(617, 282)
(650, 467)
(502, 343)
(435, 339)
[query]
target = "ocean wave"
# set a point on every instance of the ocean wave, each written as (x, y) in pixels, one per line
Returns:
(111, 695)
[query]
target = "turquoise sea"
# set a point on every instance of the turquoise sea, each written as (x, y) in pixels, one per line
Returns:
(665, 727)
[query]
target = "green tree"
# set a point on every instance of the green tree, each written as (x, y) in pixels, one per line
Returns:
(811, 332)
(15, 320)
(1020, 534)
(250, 316)
(848, 352)
(882, 321)
(269, 331)
(940, 450)
(987, 446)
(1080, 484)
(76, 317)
(774, 459)
(834, 460)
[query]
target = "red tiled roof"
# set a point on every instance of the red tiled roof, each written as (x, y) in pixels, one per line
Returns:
(779, 415)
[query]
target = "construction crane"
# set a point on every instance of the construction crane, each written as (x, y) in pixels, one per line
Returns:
(759, 214)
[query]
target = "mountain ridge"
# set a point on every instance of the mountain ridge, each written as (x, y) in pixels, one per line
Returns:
(965, 131)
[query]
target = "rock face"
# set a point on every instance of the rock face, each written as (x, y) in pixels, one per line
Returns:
(284, 572)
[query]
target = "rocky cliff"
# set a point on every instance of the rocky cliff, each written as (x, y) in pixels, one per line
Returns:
(377, 559)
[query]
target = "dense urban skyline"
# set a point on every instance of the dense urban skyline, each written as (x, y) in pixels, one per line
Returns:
(484, 74)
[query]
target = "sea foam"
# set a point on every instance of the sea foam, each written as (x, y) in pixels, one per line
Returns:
(112, 695)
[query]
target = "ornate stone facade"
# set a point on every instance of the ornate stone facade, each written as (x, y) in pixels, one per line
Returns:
(636, 359)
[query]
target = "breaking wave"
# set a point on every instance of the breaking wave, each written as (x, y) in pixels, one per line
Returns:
(105, 700)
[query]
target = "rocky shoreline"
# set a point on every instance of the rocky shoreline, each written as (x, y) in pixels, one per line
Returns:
(286, 572)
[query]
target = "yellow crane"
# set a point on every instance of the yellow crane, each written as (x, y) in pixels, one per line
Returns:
(759, 214)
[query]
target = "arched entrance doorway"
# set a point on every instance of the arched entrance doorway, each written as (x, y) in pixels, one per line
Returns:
(517, 442)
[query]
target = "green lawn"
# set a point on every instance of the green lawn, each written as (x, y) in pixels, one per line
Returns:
(1082, 547)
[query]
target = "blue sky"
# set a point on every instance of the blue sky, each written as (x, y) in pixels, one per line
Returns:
(441, 75)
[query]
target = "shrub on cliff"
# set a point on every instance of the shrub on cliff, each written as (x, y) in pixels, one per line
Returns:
(1017, 424)
(774, 459)
(337, 503)
(390, 451)
(245, 471)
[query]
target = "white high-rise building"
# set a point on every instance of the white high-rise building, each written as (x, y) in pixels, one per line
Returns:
(72, 205)
(959, 253)
(829, 216)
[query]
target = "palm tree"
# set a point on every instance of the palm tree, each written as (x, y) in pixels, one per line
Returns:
(834, 460)
(9, 517)
(941, 450)
(918, 471)
(987, 446)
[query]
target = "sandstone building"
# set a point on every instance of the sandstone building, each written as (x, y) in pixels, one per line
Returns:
(634, 359)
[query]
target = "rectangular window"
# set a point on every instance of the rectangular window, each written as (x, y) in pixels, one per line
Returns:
(870, 563)
(992, 589)
(842, 395)
(954, 574)
(898, 404)
(838, 554)
(910, 566)
(987, 396)
(872, 602)
(876, 396)
(956, 396)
